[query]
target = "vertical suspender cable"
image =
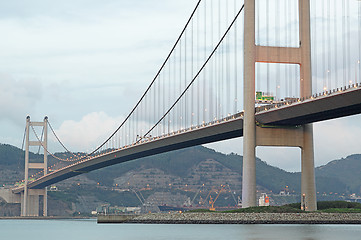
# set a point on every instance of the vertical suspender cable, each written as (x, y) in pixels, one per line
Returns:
(123, 137)
(216, 57)
(135, 123)
(323, 47)
(348, 43)
(235, 62)
(180, 86)
(185, 79)
(211, 76)
(227, 67)
(205, 57)
(297, 69)
(192, 72)
(291, 80)
(343, 42)
(278, 43)
(163, 105)
(287, 45)
(220, 57)
(154, 103)
(329, 45)
(222, 81)
(335, 72)
(359, 42)
(168, 94)
(139, 120)
(258, 87)
(315, 45)
(175, 89)
(198, 82)
(128, 134)
(267, 36)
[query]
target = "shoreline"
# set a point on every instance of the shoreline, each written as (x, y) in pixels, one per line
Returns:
(44, 218)
(235, 218)
(215, 218)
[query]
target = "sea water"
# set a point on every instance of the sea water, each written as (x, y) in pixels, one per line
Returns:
(90, 230)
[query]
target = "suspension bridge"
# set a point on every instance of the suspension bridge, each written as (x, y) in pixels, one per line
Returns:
(259, 69)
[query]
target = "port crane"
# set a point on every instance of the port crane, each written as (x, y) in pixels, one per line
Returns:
(212, 201)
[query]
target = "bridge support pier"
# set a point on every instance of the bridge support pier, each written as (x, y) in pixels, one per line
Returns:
(249, 125)
(308, 184)
(255, 136)
(33, 203)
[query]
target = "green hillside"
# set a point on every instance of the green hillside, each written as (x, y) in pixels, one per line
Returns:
(346, 170)
(180, 162)
(340, 176)
(13, 157)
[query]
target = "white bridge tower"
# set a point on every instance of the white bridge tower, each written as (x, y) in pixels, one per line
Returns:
(254, 136)
(30, 198)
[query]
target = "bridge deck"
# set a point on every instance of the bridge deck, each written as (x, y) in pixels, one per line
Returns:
(334, 105)
(324, 107)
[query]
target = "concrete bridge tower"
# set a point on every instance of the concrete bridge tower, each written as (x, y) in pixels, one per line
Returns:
(30, 198)
(257, 136)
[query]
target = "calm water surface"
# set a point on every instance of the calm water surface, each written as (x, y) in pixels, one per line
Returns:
(90, 230)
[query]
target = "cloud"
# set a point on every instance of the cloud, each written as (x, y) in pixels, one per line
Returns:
(89, 132)
(337, 138)
(17, 97)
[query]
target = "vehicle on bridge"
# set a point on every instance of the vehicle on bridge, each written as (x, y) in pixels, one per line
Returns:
(262, 97)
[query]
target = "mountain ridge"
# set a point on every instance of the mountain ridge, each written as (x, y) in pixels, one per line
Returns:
(332, 177)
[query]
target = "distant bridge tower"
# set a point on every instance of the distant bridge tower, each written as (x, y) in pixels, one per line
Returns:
(30, 198)
(256, 136)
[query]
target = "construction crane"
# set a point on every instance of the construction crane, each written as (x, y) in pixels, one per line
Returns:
(211, 201)
(203, 201)
(234, 197)
(139, 196)
(198, 192)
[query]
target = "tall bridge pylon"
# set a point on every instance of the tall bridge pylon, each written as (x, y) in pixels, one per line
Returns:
(297, 136)
(30, 198)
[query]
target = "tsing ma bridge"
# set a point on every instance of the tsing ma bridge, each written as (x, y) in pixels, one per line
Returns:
(237, 69)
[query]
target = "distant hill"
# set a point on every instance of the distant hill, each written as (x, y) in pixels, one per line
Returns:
(346, 170)
(197, 165)
(181, 162)
(11, 156)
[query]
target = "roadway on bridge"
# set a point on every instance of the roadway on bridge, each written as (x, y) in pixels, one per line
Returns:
(324, 107)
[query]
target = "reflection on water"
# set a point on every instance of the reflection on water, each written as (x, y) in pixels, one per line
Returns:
(90, 230)
(304, 232)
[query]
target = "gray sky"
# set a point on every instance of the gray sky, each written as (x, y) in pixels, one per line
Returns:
(84, 64)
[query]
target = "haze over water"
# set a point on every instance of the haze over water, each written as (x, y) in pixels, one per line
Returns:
(90, 230)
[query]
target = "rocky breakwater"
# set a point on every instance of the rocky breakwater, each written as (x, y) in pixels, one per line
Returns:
(243, 218)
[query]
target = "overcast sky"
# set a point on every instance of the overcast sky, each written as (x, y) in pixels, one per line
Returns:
(85, 63)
